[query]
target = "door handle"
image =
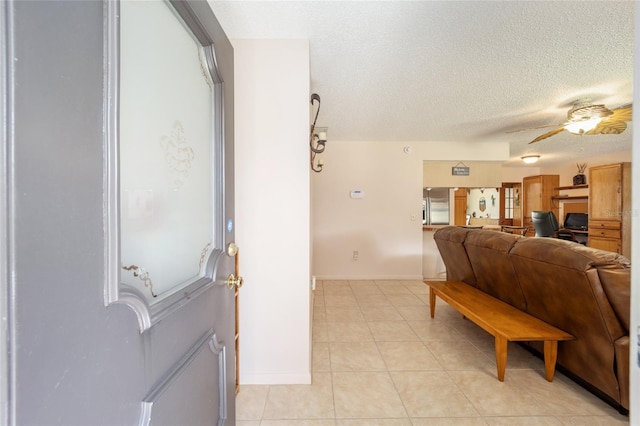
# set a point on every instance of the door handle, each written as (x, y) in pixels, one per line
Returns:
(232, 281)
(232, 249)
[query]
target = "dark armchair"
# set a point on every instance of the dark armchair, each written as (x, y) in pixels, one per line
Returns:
(546, 225)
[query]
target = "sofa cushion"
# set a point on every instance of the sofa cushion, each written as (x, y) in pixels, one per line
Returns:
(569, 253)
(450, 242)
(561, 284)
(488, 253)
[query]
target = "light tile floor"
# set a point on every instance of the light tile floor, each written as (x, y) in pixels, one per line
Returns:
(378, 359)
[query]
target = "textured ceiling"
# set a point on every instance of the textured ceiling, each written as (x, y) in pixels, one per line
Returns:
(456, 70)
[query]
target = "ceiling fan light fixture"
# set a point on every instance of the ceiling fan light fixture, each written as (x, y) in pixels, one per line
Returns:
(530, 159)
(583, 126)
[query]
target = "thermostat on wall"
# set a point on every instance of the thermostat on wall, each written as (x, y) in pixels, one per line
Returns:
(357, 193)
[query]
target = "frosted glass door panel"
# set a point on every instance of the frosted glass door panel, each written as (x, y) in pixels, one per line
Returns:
(166, 189)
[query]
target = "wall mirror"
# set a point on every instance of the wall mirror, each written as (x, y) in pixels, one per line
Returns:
(164, 157)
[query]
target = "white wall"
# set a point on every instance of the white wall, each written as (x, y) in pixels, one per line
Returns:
(379, 226)
(385, 226)
(515, 174)
(432, 265)
(272, 209)
(492, 206)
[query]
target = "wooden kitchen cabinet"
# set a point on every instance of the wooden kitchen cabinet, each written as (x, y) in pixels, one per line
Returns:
(537, 193)
(460, 207)
(610, 208)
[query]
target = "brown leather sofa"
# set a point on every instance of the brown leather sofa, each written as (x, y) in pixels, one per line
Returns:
(581, 290)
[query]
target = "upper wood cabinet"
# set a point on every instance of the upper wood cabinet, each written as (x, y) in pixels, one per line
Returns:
(610, 208)
(537, 193)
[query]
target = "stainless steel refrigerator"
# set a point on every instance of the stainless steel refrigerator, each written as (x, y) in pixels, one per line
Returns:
(435, 206)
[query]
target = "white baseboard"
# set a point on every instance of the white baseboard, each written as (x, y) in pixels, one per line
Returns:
(369, 277)
(275, 379)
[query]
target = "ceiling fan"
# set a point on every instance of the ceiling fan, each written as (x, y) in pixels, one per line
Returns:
(590, 119)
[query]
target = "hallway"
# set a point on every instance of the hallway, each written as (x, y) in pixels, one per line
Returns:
(378, 359)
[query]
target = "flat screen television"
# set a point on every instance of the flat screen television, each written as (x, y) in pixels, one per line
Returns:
(577, 221)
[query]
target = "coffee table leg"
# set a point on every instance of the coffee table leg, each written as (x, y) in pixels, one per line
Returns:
(432, 302)
(550, 357)
(501, 356)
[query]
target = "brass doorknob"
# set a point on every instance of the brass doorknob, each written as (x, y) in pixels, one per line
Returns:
(232, 249)
(232, 281)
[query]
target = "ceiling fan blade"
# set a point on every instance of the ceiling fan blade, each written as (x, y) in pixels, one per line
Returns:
(615, 123)
(608, 127)
(533, 128)
(624, 113)
(547, 135)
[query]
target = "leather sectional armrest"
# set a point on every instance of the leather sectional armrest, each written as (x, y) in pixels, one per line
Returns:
(617, 286)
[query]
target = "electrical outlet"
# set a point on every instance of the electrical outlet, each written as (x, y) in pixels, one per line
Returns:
(355, 255)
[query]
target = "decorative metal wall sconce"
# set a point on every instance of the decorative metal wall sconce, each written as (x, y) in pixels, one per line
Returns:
(317, 138)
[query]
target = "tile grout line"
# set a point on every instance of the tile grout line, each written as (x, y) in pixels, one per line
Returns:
(465, 334)
(395, 385)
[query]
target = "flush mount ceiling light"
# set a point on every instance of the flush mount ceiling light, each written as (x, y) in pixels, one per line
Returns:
(530, 159)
